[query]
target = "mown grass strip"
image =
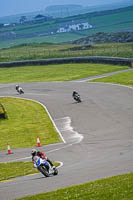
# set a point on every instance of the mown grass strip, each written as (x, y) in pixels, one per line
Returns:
(124, 78)
(14, 169)
(113, 188)
(62, 72)
(26, 120)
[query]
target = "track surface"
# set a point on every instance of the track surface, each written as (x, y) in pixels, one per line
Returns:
(98, 135)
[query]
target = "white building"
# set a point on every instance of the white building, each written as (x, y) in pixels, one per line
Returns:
(74, 27)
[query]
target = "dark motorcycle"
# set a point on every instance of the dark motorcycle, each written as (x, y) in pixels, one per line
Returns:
(77, 98)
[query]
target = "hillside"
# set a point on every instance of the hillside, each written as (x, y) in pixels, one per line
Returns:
(50, 30)
(101, 37)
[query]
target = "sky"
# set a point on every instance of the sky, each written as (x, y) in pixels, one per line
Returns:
(12, 7)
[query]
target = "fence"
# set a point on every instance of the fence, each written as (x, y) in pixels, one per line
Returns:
(93, 59)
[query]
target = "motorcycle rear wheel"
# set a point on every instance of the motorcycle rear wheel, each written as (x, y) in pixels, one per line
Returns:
(44, 171)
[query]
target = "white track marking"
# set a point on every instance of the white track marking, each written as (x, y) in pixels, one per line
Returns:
(113, 84)
(65, 126)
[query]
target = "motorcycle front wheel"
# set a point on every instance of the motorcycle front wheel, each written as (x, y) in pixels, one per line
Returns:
(55, 171)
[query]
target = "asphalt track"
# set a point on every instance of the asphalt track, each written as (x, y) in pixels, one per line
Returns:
(97, 135)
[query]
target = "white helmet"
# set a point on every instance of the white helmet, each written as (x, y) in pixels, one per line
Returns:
(34, 152)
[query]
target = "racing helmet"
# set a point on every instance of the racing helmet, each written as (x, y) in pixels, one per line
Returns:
(17, 86)
(74, 92)
(34, 152)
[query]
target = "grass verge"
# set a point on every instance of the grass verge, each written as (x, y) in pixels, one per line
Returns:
(113, 188)
(26, 120)
(62, 72)
(124, 78)
(14, 169)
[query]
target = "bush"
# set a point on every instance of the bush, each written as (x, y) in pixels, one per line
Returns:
(3, 114)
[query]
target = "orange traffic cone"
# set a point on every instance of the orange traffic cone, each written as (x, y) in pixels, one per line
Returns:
(9, 149)
(38, 142)
(132, 64)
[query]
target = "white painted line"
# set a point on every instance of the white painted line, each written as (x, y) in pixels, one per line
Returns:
(113, 84)
(61, 164)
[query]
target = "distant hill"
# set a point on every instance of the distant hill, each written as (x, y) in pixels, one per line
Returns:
(70, 10)
(63, 8)
(67, 10)
(42, 30)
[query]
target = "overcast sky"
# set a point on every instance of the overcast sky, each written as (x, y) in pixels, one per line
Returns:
(12, 7)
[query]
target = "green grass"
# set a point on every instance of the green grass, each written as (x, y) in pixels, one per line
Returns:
(15, 169)
(26, 120)
(46, 50)
(124, 78)
(55, 39)
(61, 72)
(12, 170)
(113, 188)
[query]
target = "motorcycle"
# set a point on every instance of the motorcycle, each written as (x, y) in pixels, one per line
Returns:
(44, 167)
(19, 90)
(77, 98)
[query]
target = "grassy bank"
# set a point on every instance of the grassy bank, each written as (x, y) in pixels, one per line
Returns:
(125, 78)
(26, 120)
(62, 72)
(44, 51)
(114, 188)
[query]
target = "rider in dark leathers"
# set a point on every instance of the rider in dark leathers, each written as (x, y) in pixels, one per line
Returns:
(75, 95)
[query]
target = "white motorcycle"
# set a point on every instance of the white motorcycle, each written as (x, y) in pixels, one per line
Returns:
(77, 98)
(19, 89)
(44, 167)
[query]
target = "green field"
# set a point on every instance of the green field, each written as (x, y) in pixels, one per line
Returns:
(61, 72)
(21, 128)
(45, 50)
(125, 78)
(13, 169)
(111, 22)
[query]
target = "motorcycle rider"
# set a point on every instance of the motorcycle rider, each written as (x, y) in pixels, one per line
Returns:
(42, 155)
(17, 86)
(19, 89)
(75, 94)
